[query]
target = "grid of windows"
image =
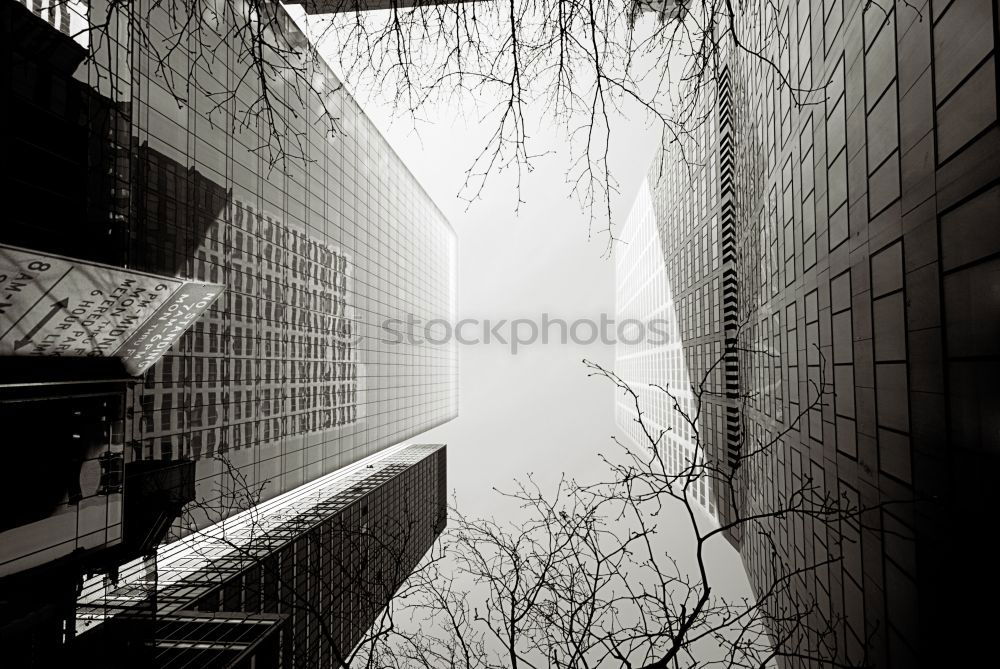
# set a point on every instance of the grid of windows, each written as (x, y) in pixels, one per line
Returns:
(669, 270)
(290, 375)
(329, 554)
(863, 271)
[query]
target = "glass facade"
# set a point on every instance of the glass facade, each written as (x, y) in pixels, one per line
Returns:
(316, 564)
(667, 269)
(290, 375)
(77, 504)
(158, 155)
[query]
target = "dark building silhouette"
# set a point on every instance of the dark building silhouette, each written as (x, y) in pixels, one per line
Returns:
(859, 234)
(66, 143)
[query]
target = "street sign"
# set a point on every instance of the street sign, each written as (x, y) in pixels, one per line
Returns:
(172, 319)
(56, 306)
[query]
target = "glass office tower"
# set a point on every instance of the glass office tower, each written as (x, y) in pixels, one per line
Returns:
(294, 582)
(668, 272)
(290, 375)
(151, 151)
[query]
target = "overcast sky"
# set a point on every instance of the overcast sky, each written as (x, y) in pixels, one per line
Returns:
(534, 411)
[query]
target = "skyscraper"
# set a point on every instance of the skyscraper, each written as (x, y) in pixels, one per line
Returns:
(295, 582)
(859, 312)
(155, 166)
(669, 269)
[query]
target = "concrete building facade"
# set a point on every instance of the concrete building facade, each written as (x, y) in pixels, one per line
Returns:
(856, 148)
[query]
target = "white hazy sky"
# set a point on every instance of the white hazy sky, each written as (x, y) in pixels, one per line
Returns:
(535, 411)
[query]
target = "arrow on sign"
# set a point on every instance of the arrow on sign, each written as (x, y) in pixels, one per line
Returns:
(26, 339)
